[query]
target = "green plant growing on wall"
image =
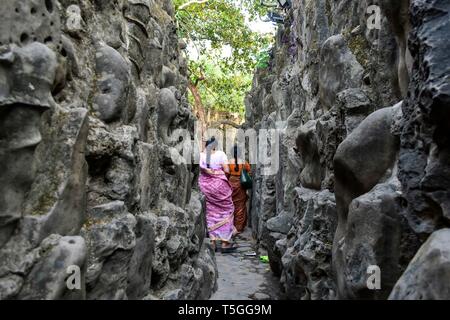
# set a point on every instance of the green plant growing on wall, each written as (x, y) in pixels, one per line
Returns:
(263, 59)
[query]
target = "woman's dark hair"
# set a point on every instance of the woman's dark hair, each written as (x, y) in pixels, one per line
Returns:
(211, 144)
(236, 154)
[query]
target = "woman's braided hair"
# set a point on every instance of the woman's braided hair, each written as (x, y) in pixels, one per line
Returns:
(236, 154)
(211, 144)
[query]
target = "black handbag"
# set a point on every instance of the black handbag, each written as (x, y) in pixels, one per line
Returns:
(246, 180)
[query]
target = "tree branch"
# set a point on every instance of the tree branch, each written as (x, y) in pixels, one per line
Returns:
(198, 80)
(184, 6)
(268, 5)
(226, 122)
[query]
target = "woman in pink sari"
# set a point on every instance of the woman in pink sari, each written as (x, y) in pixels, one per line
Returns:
(217, 190)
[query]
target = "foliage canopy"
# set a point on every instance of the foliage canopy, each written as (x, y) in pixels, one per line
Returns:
(223, 50)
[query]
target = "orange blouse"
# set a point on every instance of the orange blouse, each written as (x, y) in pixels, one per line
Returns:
(232, 167)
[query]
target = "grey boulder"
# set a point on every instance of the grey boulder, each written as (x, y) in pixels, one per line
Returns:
(428, 274)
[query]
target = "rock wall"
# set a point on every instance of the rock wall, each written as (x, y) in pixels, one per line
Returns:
(89, 94)
(363, 127)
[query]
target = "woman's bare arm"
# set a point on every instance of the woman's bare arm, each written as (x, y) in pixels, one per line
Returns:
(225, 166)
(208, 171)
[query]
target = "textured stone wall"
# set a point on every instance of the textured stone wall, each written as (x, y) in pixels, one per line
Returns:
(89, 94)
(363, 129)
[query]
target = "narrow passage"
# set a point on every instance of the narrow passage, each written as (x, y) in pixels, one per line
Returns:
(243, 276)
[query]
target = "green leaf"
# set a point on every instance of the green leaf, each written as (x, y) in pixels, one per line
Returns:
(213, 28)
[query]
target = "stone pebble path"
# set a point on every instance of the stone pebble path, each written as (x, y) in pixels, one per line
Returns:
(243, 277)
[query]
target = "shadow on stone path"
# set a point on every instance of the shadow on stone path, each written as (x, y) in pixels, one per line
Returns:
(243, 277)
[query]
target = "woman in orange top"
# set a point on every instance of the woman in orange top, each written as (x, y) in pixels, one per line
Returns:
(239, 194)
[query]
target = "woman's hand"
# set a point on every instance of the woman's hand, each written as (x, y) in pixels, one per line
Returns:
(208, 171)
(212, 172)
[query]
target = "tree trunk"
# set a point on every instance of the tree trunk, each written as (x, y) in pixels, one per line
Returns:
(199, 109)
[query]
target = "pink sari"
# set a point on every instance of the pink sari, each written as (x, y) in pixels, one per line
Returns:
(219, 205)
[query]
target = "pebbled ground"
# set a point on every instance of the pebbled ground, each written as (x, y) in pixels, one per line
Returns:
(243, 277)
